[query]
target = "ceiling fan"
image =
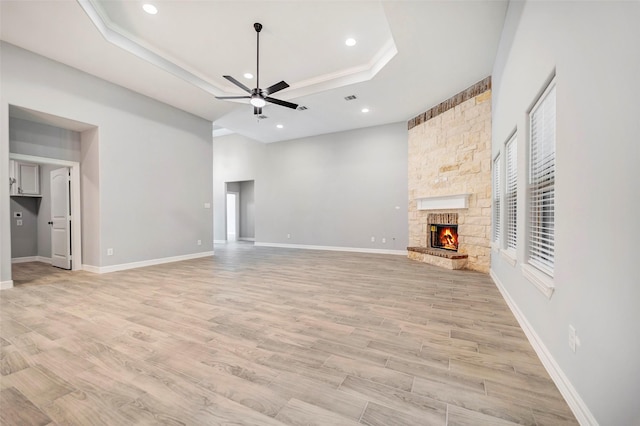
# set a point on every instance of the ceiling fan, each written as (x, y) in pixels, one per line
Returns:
(259, 97)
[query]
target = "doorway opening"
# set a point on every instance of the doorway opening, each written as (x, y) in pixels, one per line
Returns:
(46, 142)
(54, 218)
(233, 216)
(239, 211)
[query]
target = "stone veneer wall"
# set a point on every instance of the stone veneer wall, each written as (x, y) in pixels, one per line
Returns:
(450, 154)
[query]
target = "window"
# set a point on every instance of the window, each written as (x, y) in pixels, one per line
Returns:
(511, 192)
(496, 199)
(542, 167)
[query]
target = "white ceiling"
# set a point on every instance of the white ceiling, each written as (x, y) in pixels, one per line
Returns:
(409, 56)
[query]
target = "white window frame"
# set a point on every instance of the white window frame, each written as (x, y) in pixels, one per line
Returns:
(540, 236)
(496, 200)
(510, 197)
(511, 193)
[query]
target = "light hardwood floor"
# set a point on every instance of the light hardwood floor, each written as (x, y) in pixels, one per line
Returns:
(264, 336)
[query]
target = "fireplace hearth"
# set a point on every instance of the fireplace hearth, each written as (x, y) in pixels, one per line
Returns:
(441, 243)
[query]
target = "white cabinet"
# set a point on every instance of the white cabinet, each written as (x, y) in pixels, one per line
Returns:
(24, 178)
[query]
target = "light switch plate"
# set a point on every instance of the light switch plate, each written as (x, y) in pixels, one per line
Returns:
(17, 214)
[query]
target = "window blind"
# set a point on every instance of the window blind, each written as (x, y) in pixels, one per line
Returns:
(496, 199)
(511, 192)
(542, 182)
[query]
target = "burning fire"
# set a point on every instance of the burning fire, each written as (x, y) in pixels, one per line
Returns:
(447, 239)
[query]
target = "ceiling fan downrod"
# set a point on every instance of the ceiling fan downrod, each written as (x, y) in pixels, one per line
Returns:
(258, 28)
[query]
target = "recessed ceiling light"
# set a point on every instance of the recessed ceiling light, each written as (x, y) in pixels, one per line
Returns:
(150, 9)
(350, 42)
(248, 75)
(365, 109)
(279, 126)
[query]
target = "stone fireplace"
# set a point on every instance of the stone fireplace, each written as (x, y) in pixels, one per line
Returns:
(450, 181)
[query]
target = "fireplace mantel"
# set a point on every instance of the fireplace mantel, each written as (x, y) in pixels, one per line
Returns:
(445, 202)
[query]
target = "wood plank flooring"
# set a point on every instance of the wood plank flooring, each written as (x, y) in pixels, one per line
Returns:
(266, 336)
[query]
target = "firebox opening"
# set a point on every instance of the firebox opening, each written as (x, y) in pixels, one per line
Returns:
(444, 237)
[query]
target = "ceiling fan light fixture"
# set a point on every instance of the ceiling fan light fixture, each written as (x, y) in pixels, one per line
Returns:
(350, 42)
(257, 101)
(248, 75)
(149, 8)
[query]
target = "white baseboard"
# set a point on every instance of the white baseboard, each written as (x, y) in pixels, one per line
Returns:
(91, 268)
(142, 264)
(24, 259)
(31, 259)
(334, 248)
(5, 285)
(570, 394)
(219, 241)
(246, 239)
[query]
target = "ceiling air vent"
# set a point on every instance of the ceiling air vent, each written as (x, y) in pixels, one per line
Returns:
(350, 97)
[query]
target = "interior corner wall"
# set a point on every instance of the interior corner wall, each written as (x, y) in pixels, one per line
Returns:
(334, 190)
(154, 161)
(593, 48)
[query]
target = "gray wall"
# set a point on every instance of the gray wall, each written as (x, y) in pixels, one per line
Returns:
(594, 48)
(235, 158)
(247, 210)
(150, 164)
(331, 190)
(34, 237)
(90, 196)
(24, 239)
(42, 140)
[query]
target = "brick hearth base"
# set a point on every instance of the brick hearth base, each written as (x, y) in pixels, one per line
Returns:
(442, 258)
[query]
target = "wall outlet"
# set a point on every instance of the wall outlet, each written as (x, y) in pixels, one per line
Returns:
(288, 236)
(199, 242)
(207, 205)
(109, 252)
(384, 240)
(373, 239)
(19, 222)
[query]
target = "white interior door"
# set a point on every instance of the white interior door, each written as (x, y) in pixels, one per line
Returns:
(60, 219)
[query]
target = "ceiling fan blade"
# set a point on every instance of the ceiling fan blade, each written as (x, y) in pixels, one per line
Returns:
(233, 97)
(275, 88)
(237, 83)
(281, 103)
